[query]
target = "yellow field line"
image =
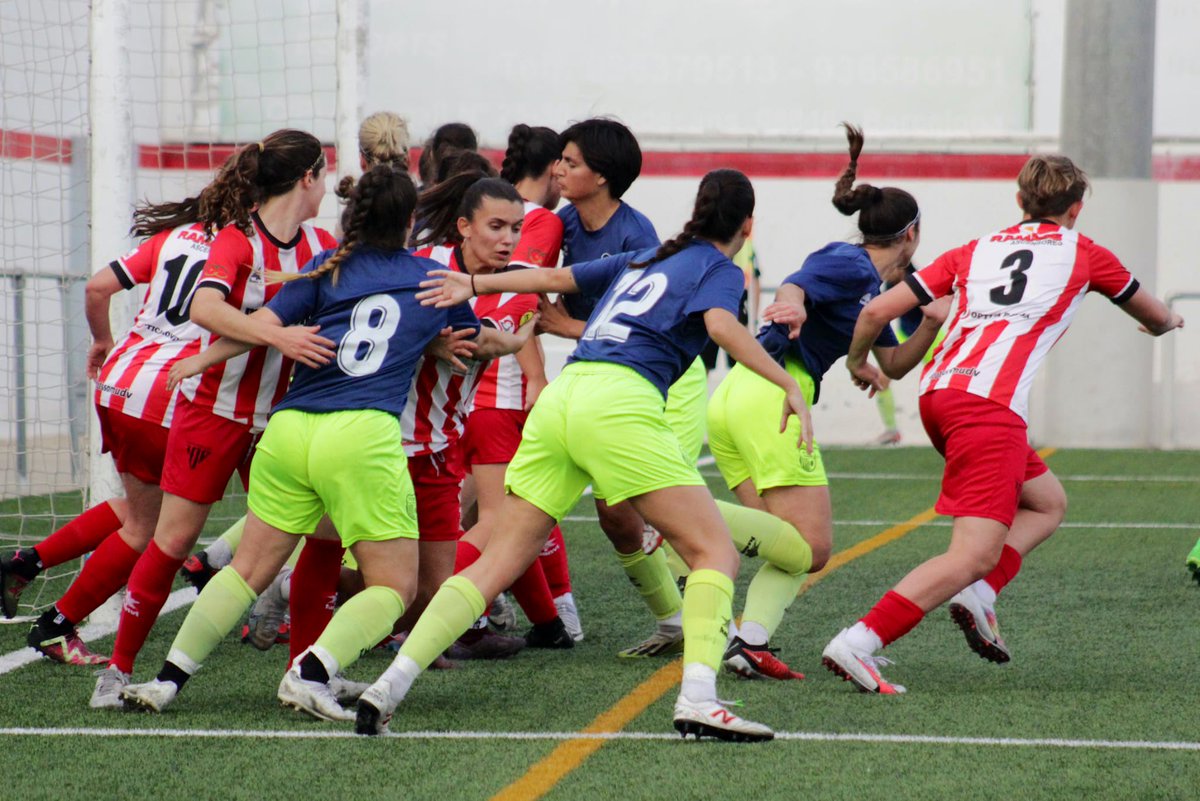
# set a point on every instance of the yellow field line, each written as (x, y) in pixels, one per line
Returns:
(553, 768)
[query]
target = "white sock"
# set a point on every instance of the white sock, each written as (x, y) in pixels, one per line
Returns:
(862, 638)
(327, 660)
(733, 632)
(400, 676)
(219, 554)
(985, 592)
(699, 682)
(753, 633)
(285, 587)
(672, 623)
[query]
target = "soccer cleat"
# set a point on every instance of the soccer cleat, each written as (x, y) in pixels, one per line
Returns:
(311, 697)
(665, 641)
(651, 539)
(712, 719)
(375, 709)
(551, 634)
(153, 696)
(888, 437)
(503, 615)
(484, 645)
(858, 667)
(269, 612)
(109, 683)
(197, 571)
(345, 690)
(12, 583)
(1193, 561)
(569, 614)
(757, 662)
(55, 637)
(978, 623)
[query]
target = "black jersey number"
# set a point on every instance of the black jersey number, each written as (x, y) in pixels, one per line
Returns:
(176, 299)
(1012, 292)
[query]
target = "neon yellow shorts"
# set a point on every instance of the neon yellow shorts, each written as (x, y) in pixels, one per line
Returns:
(687, 399)
(598, 423)
(743, 432)
(350, 463)
(937, 340)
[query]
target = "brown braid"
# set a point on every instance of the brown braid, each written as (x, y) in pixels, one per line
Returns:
(884, 214)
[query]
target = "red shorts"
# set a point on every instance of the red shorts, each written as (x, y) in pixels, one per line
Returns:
(491, 436)
(203, 451)
(138, 447)
(437, 480)
(987, 454)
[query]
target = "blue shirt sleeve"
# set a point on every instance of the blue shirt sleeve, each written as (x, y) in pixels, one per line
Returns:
(594, 277)
(721, 288)
(296, 301)
(818, 284)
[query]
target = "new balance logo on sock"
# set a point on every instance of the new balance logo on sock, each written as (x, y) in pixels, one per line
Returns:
(196, 455)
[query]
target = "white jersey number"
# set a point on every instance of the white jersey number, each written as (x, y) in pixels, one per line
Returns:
(634, 295)
(372, 323)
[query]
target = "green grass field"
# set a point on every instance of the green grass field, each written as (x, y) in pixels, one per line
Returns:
(1096, 704)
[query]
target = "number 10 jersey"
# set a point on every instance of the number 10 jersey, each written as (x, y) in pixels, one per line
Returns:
(1015, 293)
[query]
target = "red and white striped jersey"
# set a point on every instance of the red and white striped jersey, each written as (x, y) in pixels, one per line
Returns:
(133, 379)
(246, 387)
(541, 238)
(1015, 293)
(441, 395)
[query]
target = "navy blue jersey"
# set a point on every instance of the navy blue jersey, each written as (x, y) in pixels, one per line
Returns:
(626, 231)
(380, 329)
(652, 319)
(838, 280)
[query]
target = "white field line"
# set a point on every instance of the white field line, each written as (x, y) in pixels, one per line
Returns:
(1164, 479)
(947, 523)
(92, 631)
(861, 737)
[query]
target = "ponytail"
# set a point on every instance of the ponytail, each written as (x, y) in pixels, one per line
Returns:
(884, 214)
(724, 201)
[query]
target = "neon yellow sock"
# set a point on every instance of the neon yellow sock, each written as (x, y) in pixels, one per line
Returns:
(232, 536)
(757, 533)
(675, 562)
(707, 606)
(885, 401)
(451, 611)
(769, 595)
(652, 579)
(361, 623)
(216, 611)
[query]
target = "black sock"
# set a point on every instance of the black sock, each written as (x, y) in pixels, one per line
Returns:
(311, 669)
(26, 563)
(54, 622)
(173, 673)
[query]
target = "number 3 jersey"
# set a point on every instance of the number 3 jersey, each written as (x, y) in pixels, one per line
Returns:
(380, 328)
(133, 380)
(1015, 293)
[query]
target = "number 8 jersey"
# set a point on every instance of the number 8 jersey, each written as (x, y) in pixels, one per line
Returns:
(1016, 292)
(133, 380)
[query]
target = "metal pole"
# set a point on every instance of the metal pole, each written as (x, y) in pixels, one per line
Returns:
(351, 80)
(20, 387)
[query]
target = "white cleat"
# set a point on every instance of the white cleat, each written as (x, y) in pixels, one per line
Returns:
(311, 697)
(153, 696)
(346, 691)
(858, 667)
(502, 615)
(569, 614)
(978, 623)
(109, 683)
(665, 641)
(269, 612)
(711, 719)
(375, 709)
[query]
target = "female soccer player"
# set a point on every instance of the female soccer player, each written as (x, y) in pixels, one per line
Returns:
(135, 409)
(269, 189)
(333, 440)
(601, 422)
(1015, 292)
(600, 160)
(810, 326)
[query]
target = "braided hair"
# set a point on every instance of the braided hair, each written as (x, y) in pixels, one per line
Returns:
(884, 214)
(530, 152)
(379, 209)
(724, 202)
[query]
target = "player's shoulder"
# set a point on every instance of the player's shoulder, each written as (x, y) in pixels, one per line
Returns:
(541, 217)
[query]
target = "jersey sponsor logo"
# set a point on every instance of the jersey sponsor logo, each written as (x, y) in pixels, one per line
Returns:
(120, 392)
(1028, 238)
(196, 237)
(162, 332)
(219, 272)
(196, 455)
(967, 371)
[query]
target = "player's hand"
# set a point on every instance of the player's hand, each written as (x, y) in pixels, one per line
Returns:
(1175, 321)
(445, 288)
(453, 346)
(97, 353)
(792, 315)
(302, 344)
(554, 318)
(185, 368)
(937, 311)
(866, 376)
(793, 403)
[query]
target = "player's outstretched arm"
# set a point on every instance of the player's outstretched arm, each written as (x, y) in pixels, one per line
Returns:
(300, 343)
(898, 361)
(871, 320)
(1156, 317)
(445, 288)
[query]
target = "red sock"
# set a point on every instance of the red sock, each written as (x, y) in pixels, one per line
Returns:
(554, 563)
(105, 572)
(533, 594)
(149, 585)
(79, 536)
(1005, 570)
(893, 617)
(314, 592)
(465, 555)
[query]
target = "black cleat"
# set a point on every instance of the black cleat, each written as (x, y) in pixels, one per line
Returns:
(551, 634)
